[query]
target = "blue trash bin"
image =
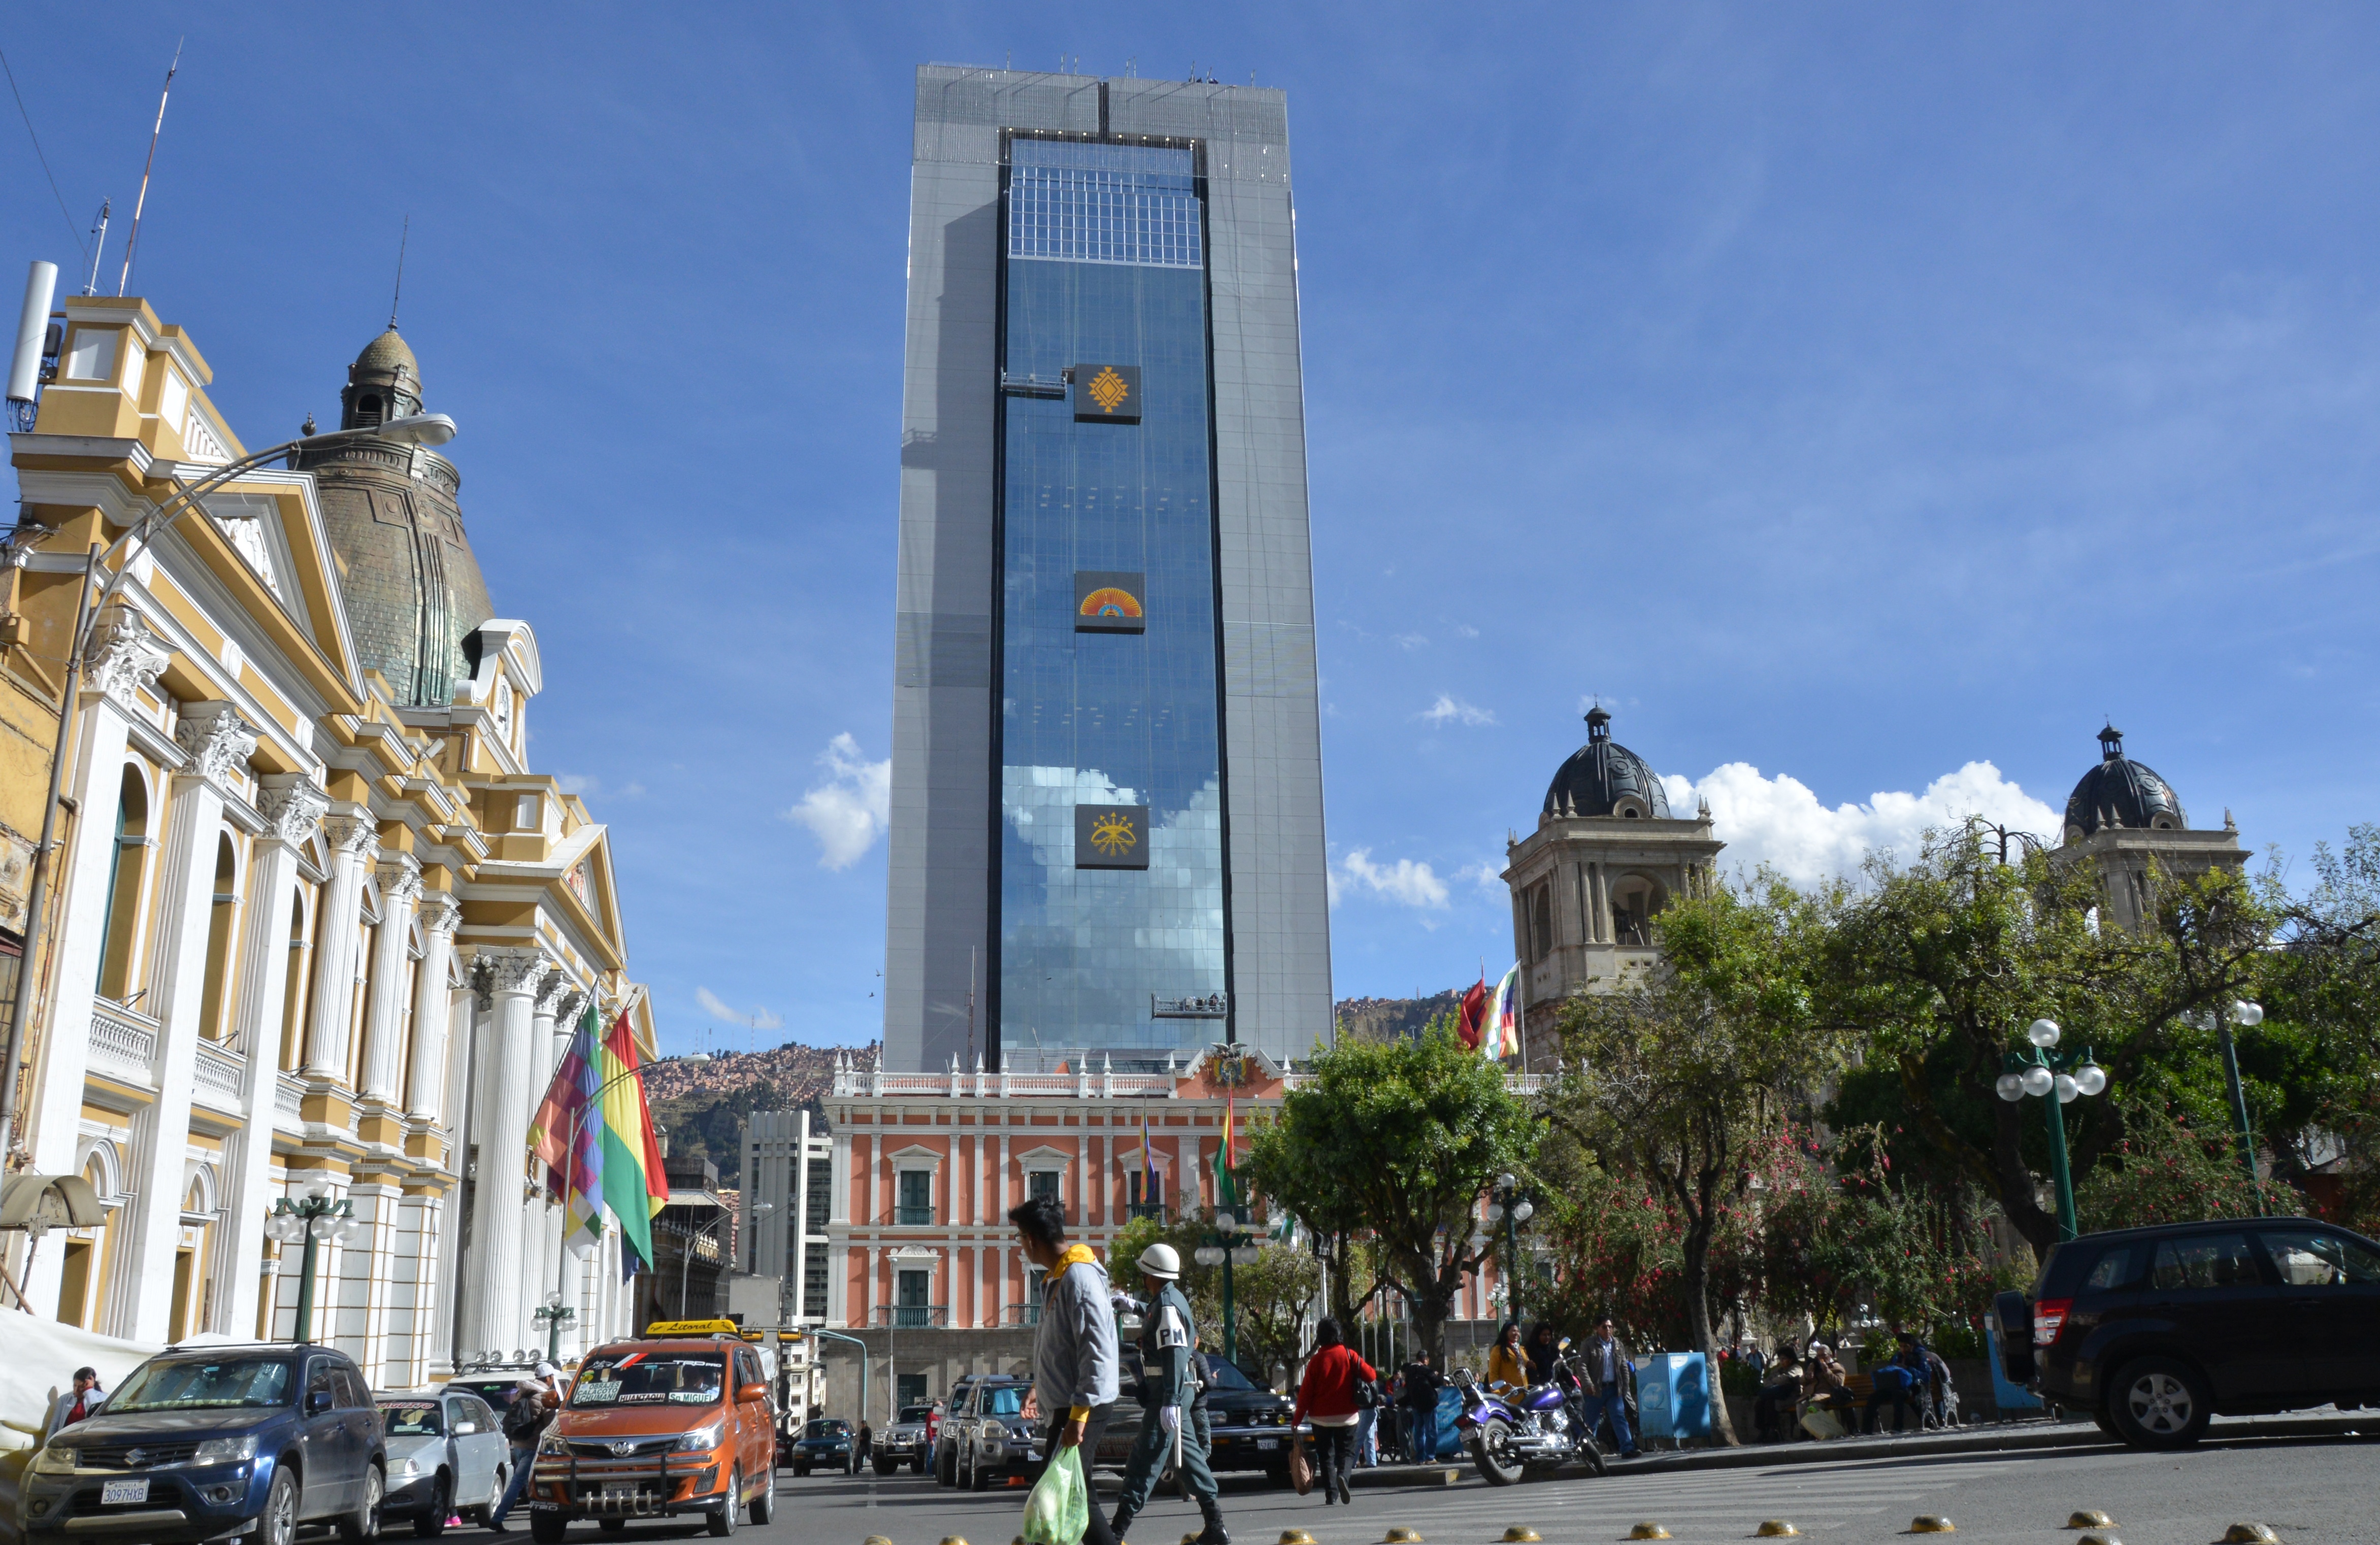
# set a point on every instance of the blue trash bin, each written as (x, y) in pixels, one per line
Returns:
(1673, 1396)
(2007, 1397)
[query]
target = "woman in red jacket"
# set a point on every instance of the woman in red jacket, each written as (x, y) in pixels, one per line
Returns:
(1327, 1395)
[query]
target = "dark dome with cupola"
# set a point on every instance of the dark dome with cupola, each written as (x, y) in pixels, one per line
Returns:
(1604, 778)
(2122, 795)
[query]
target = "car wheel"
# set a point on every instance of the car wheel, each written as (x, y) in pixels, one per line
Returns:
(764, 1506)
(946, 1466)
(722, 1523)
(2158, 1403)
(432, 1523)
(279, 1525)
(364, 1521)
(801, 1472)
(547, 1527)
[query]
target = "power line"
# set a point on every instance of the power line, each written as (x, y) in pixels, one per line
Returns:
(80, 245)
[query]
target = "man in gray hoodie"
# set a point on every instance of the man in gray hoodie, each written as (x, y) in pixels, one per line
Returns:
(1075, 1364)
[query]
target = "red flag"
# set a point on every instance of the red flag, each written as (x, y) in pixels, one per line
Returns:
(1473, 1017)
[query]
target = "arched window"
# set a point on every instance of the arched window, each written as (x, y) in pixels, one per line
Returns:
(1635, 901)
(221, 919)
(292, 995)
(367, 410)
(124, 887)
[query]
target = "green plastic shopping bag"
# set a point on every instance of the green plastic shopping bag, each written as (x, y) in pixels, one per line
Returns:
(1058, 1510)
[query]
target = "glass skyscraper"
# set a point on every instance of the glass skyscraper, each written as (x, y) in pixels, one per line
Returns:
(1107, 823)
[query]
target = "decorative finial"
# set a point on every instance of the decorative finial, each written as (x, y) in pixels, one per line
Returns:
(398, 293)
(2111, 742)
(307, 428)
(2228, 824)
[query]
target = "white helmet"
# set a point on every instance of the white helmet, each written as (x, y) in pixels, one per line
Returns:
(1161, 1262)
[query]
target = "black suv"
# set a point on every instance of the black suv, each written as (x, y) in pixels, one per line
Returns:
(1250, 1422)
(208, 1441)
(2154, 1330)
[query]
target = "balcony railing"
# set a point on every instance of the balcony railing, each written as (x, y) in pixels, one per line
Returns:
(1154, 1211)
(910, 1215)
(913, 1317)
(121, 1040)
(1025, 1314)
(219, 1075)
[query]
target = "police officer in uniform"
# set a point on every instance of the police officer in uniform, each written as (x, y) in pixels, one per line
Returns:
(1172, 1422)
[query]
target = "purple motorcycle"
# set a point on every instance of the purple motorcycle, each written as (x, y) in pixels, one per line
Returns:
(1510, 1431)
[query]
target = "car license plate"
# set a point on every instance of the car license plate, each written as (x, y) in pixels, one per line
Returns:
(115, 1491)
(1268, 1443)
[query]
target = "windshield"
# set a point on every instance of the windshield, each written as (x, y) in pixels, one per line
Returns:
(189, 1384)
(917, 1413)
(1225, 1376)
(827, 1429)
(411, 1418)
(649, 1379)
(1005, 1401)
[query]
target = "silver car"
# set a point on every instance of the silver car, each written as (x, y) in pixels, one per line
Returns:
(446, 1457)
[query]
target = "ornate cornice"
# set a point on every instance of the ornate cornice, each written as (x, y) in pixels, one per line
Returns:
(216, 738)
(124, 654)
(292, 806)
(400, 878)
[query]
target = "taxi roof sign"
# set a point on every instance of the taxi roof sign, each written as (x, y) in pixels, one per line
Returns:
(692, 1327)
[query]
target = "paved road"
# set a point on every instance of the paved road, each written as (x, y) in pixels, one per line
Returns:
(2308, 1490)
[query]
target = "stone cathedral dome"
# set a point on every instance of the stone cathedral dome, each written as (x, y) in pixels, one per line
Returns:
(2120, 792)
(1604, 778)
(413, 589)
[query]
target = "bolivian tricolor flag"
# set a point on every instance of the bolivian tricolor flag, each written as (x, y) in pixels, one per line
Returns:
(634, 1187)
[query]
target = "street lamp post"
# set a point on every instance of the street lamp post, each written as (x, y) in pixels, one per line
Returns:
(1218, 1248)
(2247, 1015)
(314, 1217)
(1512, 1208)
(419, 428)
(2067, 1075)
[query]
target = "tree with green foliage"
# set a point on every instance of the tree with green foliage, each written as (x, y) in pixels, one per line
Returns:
(1398, 1140)
(2164, 1170)
(1938, 965)
(1679, 1077)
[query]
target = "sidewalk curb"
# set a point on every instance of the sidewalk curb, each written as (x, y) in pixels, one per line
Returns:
(1997, 1439)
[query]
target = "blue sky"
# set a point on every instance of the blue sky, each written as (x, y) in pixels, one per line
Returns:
(1867, 397)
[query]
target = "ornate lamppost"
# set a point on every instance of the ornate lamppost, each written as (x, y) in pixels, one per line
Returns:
(313, 1217)
(2067, 1075)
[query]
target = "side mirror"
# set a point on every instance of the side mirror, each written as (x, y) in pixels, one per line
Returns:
(752, 1392)
(465, 1429)
(1565, 1345)
(317, 1402)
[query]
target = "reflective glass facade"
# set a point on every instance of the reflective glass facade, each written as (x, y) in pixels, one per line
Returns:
(1104, 263)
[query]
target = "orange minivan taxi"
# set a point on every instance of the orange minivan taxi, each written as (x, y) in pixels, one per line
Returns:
(656, 1426)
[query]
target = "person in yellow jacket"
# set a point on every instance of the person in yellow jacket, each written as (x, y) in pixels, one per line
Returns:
(1507, 1363)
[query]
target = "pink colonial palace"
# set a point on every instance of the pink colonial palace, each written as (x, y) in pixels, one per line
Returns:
(924, 1264)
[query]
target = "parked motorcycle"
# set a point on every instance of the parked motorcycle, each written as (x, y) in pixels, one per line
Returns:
(1545, 1425)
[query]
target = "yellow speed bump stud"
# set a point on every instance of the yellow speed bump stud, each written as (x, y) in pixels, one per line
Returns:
(875, 1540)
(1296, 1536)
(1773, 1528)
(2251, 1534)
(953, 1540)
(1520, 1534)
(1189, 1540)
(2099, 1537)
(1648, 1530)
(2090, 1518)
(1924, 1523)
(1401, 1536)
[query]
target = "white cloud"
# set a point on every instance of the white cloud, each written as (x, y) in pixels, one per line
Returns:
(1409, 641)
(592, 786)
(1454, 708)
(1488, 876)
(716, 1007)
(1777, 821)
(1464, 630)
(850, 808)
(1404, 882)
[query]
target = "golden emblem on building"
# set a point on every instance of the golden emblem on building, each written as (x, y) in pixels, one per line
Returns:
(1108, 389)
(1114, 834)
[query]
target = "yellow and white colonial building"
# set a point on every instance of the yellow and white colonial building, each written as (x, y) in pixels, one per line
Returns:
(313, 921)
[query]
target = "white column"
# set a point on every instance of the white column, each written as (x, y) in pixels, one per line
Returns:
(385, 1009)
(292, 806)
(541, 1239)
(122, 657)
(432, 1007)
(460, 1014)
(141, 1286)
(354, 846)
(496, 1308)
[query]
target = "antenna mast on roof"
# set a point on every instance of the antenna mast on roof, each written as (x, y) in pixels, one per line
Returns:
(398, 293)
(90, 286)
(162, 92)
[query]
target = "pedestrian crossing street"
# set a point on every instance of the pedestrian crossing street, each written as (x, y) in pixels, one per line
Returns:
(1578, 1509)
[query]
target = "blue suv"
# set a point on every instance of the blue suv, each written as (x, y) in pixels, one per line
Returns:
(210, 1440)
